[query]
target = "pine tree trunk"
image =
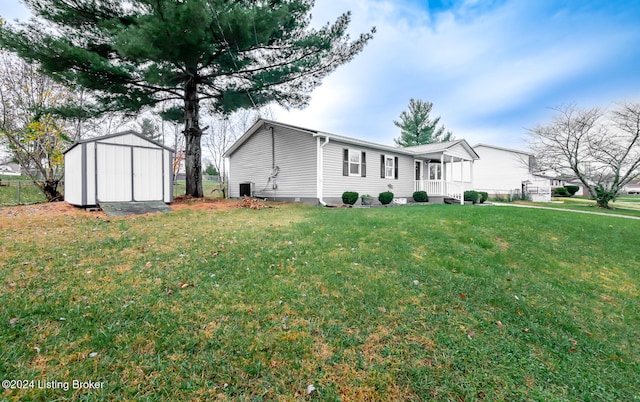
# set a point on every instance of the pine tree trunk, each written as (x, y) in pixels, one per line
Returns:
(193, 136)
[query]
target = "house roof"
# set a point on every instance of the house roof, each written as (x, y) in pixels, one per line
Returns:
(118, 134)
(10, 166)
(417, 151)
(503, 149)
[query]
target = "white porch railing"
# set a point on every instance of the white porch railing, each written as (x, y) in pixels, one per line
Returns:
(453, 189)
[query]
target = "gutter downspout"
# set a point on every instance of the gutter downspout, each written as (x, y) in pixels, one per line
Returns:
(320, 168)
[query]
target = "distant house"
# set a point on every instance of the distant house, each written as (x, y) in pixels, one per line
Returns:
(10, 169)
(288, 163)
(504, 172)
(633, 187)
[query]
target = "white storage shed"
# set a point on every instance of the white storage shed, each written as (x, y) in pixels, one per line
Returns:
(120, 167)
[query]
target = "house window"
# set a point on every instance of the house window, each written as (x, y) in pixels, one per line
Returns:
(388, 167)
(354, 163)
(435, 171)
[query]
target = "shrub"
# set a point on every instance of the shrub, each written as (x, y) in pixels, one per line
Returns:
(471, 195)
(572, 190)
(560, 192)
(483, 196)
(420, 196)
(385, 197)
(349, 197)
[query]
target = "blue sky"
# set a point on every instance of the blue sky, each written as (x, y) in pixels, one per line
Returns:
(491, 68)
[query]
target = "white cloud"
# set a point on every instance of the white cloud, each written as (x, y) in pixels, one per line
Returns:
(473, 64)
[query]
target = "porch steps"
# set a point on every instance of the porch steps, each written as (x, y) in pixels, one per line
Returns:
(453, 201)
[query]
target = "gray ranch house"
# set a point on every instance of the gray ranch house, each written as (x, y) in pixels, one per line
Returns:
(287, 163)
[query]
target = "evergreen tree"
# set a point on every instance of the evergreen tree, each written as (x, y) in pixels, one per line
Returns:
(232, 54)
(150, 129)
(417, 128)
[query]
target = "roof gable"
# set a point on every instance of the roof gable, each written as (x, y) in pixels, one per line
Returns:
(116, 135)
(501, 149)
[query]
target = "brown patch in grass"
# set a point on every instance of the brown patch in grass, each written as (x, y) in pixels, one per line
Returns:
(502, 243)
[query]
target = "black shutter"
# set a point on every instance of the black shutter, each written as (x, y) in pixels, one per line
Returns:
(382, 166)
(345, 162)
(395, 164)
(363, 167)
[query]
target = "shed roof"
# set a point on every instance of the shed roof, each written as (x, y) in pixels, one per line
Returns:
(118, 134)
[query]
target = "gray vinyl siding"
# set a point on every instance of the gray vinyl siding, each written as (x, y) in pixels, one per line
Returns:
(335, 183)
(295, 155)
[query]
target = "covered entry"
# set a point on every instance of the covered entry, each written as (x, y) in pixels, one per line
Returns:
(122, 167)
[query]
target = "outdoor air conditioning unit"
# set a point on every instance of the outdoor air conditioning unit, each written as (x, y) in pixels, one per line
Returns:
(247, 189)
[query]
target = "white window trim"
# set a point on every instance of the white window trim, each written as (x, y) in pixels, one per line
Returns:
(359, 164)
(386, 168)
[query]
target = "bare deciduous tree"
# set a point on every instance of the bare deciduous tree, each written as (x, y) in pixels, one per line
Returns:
(601, 148)
(224, 132)
(35, 137)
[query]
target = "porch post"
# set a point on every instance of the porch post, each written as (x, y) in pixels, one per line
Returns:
(461, 180)
(442, 172)
(471, 174)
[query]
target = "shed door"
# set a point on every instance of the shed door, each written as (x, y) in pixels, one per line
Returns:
(125, 173)
(113, 173)
(147, 174)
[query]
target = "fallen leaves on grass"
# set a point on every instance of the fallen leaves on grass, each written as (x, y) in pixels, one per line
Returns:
(251, 203)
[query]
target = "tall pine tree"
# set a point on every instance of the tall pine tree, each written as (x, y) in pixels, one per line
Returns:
(417, 128)
(230, 54)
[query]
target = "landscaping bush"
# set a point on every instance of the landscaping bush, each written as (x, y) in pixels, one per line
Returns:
(350, 197)
(471, 195)
(560, 192)
(572, 190)
(420, 196)
(483, 196)
(385, 197)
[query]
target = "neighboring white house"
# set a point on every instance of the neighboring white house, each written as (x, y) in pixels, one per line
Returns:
(288, 163)
(10, 169)
(504, 171)
(123, 166)
(633, 187)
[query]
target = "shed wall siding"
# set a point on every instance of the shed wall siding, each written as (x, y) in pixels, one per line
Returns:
(335, 183)
(90, 153)
(129, 139)
(73, 176)
(167, 174)
(499, 170)
(295, 156)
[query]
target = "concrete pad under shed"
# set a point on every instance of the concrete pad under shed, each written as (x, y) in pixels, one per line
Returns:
(133, 207)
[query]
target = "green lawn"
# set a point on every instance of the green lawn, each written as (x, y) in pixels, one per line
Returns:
(409, 303)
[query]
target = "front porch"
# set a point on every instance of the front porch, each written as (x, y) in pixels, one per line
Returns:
(440, 188)
(444, 169)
